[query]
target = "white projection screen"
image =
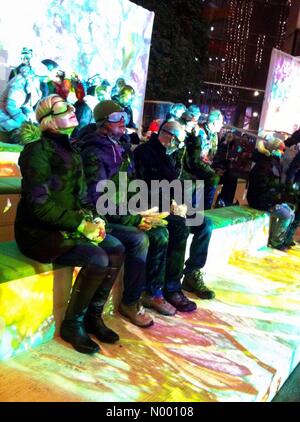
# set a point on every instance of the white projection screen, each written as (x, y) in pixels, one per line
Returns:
(109, 37)
(281, 107)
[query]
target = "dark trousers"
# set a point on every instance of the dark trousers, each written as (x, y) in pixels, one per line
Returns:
(209, 194)
(108, 253)
(229, 183)
(156, 260)
(178, 234)
(136, 245)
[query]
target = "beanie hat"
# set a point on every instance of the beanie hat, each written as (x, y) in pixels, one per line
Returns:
(186, 117)
(175, 129)
(104, 109)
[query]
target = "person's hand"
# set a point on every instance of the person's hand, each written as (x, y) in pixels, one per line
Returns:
(180, 210)
(145, 224)
(101, 229)
(94, 231)
(152, 218)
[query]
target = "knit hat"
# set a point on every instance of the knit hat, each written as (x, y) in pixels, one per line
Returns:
(186, 117)
(175, 129)
(104, 109)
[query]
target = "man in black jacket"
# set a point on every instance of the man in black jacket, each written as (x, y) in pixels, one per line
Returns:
(153, 161)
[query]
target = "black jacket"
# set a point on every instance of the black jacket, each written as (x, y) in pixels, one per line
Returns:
(53, 190)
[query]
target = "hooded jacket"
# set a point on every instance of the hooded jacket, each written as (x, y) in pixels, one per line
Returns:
(103, 159)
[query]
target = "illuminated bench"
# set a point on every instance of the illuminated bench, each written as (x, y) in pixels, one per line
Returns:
(33, 299)
(10, 188)
(236, 228)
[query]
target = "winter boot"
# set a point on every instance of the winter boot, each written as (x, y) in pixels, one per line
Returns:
(72, 328)
(94, 323)
(193, 282)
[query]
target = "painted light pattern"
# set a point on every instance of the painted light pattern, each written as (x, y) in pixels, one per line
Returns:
(279, 112)
(109, 37)
(239, 347)
(26, 318)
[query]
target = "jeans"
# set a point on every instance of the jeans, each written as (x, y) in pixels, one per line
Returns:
(178, 234)
(136, 245)
(156, 261)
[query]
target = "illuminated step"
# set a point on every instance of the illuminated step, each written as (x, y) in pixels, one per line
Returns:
(234, 228)
(9, 156)
(33, 297)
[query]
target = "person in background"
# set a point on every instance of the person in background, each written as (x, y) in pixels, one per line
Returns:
(201, 147)
(175, 112)
(26, 56)
(54, 222)
(266, 192)
(120, 83)
(17, 103)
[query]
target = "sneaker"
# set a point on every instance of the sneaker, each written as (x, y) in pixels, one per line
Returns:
(193, 282)
(159, 304)
(136, 314)
(180, 302)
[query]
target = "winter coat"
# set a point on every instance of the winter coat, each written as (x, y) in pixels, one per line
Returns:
(153, 163)
(264, 189)
(103, 159)
(53, 190)
(200, 151)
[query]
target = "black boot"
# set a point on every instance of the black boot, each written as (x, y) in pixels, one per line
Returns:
(94, 323)
(72, 328)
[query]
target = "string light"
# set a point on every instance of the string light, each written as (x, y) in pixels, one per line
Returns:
(238, 35)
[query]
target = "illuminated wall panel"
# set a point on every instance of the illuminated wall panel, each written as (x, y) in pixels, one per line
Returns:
(282, 97)
(110, 37)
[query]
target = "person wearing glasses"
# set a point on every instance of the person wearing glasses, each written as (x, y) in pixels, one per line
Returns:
(55, 224)
(104, 158)
(154, 161)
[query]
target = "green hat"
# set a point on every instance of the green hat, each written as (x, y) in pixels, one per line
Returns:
(104, 109)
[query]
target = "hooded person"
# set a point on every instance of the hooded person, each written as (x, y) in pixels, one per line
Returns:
(201, 148)
(265, 190)
(55, 224)
(104, 159)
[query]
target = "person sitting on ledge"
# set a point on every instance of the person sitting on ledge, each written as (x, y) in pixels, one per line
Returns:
(266, 192)
(104, 157)
(154, 161)
(53, 224)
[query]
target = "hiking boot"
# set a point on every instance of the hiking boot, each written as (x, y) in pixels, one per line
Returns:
(180, 302)
(193, 282)
(159, 304)
(136, 314)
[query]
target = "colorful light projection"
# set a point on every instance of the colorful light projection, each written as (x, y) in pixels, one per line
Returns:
(240, 347)
(109, 37)
(281, 104)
